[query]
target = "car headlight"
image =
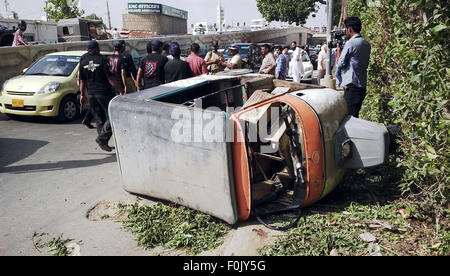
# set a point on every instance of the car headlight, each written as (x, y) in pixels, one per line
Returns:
(49, 88)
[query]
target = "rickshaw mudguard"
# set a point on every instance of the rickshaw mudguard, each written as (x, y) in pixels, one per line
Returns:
(314, 153)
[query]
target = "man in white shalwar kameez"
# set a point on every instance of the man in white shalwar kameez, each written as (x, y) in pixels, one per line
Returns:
(296, 65)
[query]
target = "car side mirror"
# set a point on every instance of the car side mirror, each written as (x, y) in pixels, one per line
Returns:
(24, 70)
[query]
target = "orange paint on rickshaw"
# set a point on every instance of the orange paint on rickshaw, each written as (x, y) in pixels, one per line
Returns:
(314, 152)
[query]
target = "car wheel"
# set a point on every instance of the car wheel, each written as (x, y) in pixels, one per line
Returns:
(68, 109)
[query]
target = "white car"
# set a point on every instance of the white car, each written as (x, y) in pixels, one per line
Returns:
(308, 68)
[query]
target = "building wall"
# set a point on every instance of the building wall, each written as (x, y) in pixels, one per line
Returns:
(155, 23)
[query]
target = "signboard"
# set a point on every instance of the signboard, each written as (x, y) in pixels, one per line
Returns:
(144, 8)
(166, 10)
(153, 8)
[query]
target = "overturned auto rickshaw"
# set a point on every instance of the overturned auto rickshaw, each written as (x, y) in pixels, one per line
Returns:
(232, 144)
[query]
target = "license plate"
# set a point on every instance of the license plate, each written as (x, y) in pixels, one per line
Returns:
(17, 103)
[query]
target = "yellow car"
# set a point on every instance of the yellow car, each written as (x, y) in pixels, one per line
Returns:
(47, 88)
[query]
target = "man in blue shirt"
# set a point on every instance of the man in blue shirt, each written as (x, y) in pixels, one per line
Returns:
(280, 71)
(351, 70)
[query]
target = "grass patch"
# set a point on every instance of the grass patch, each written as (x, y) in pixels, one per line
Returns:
(56, 246)
(366, 202)
(172, 227)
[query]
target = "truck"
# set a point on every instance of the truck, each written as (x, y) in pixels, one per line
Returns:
(81, 29)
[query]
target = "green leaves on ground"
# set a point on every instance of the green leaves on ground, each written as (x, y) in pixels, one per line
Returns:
(173, 227)
(367, 202)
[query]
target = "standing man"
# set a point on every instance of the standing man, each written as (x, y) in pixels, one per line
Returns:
(176, 69)
(213, 59)
(280, 71)
(18, 36)
(198, 65)
(269, 63)
(131, 71)
(115, 34)
(118, 65)
(296, 65)
(151, 69)
(96, 76)
(322, 62)
(351, 70)
(236, 60)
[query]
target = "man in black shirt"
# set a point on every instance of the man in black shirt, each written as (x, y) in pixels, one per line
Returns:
(118, 65)
(130, 70)
(177, 69)
(151, 69)
(96, 76)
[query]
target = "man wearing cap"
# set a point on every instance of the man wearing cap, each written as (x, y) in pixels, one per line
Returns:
(18, 36)
(213, 59)
(236, 60)
(131, 72)
(176, 69)
(198, 65)
(118, 65)
(151, 69)
(96, 76)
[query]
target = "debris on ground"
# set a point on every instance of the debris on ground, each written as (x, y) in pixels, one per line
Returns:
(367, 237)
(56, 246)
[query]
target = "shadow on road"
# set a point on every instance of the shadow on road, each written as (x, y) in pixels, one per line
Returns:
(38, 119)
(60, 165)
(14, 150)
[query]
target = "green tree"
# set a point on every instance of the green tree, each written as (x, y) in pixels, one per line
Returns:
(60, 9)
(93, 16)
(292, 11)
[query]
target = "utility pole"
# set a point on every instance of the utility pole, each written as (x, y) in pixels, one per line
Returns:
(329, 28)
(46, 12)
(220, 16)
(109, 15)
(6, 7)
(328, 80)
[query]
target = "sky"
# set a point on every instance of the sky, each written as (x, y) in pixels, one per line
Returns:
(199, 10)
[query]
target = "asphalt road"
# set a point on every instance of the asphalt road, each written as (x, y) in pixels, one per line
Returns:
(51, 175)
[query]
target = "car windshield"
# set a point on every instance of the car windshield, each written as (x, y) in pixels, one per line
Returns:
(55, 65)
(243, 50)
